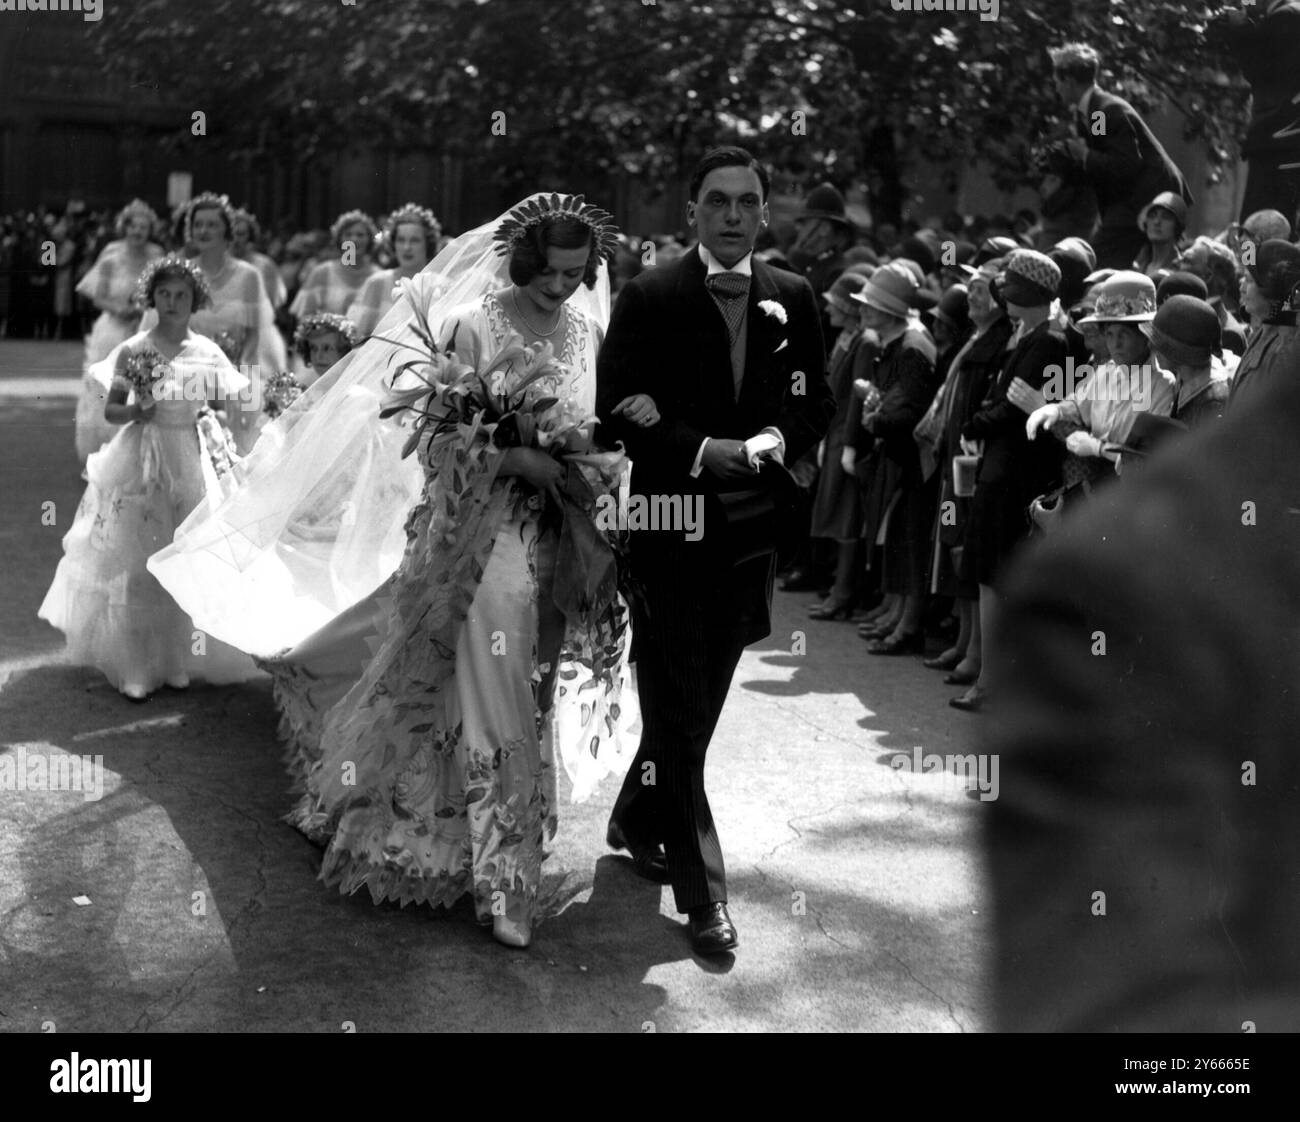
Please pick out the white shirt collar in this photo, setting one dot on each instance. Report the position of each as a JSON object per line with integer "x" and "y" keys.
{"x": 744, "y": 266}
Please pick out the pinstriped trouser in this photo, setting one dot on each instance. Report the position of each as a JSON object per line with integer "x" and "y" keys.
{"x": 684, "y": 671}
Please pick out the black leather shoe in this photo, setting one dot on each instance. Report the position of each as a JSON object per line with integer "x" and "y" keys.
{"x": 647, "y": 860}
{"x": 712, "y": 931}
{"x": 801, "y": 581}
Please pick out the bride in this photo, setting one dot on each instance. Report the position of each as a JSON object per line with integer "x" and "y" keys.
{"x": 424, "y": 717}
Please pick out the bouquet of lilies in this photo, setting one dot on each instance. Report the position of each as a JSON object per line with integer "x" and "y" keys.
{"x": 506, "y": 400}
{"x": 144, "y": 370}
{"x": 279, "y": 393}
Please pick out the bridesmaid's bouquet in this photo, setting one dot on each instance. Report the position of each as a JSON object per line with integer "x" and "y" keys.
{"x": 279, "y": 393}
{"x": 144, "y": 371}
{"x": 230, "y": 344}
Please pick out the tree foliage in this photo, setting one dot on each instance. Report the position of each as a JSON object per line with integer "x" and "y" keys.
{"x": 643, "y": 86}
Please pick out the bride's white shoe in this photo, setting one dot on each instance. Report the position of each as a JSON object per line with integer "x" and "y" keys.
{"x": 135, "y": 692}
{"x": 513, "y": 933}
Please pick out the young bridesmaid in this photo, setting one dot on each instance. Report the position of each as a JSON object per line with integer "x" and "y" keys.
{"x": 321, "y": 339}
{"x": 171, "y": 452}
{"x": 333, "y": 285}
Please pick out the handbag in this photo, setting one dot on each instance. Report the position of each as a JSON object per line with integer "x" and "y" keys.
{"x": 1046, "y": 511}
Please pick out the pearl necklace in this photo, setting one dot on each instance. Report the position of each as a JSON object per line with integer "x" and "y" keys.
{"x": 524, "y": 319}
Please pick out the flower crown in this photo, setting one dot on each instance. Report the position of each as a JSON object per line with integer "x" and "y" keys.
{"x": 209, "y": 200}
{"x": 411, "y": 213}
{"x": 346, "y": 219}
{"x": 165, "y": 268}
{"x": 541, "y": 208}
{"x": 318, "y": 322}
{"x": 133, "y": 208}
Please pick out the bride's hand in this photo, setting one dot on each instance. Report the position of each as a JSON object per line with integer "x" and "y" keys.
{"x": 640, "y": 409}
{"x": 537, "y": 468}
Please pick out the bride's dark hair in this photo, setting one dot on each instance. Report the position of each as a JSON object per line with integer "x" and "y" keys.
{"x": 530, "y": 255}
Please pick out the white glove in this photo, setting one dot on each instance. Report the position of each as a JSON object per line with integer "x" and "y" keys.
{"x": 1044, "y": 417}
{"x": 1083, "y": 444}
{"x": 848, "y": 457}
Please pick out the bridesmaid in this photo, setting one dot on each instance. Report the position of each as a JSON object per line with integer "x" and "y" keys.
{"x": 243, "y": 244}
{"x": 413, "y": 231}
{"x": 321, "y": 340}
{"x": 240, "y": 319}
{"x": 109, "y": 285}
{"x": 333, "y": 285}
{"x": 157, "y": 469}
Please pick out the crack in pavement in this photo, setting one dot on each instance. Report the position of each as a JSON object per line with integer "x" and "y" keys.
{"x": 937, "y": 996}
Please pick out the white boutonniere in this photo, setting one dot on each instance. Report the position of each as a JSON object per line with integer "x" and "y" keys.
{"x": 774, "y": 309}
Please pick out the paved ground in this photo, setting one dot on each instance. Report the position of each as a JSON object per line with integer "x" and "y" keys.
{"x": 857, "y": 887}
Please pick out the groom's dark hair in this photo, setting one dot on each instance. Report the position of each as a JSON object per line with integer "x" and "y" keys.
{"x": 728, "y": 156}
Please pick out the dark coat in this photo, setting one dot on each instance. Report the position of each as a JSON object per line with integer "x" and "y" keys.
{"x": 1123, "y": 772}
{"x": 1265, "y": 43}
{"x": 668, "y": 339}
{"x": 1126, "y": 164}
{"x": 1010, "y": 457}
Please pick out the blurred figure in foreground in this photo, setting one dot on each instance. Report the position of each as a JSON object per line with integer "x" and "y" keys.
{"x": 1143, "y": 847}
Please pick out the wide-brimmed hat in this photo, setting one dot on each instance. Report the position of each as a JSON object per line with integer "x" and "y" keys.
{"x": 1175, "y": 204}
{"x": 891, "y": 289}
{"x": 1126, "y": 297}
{"x": 1276, "y": 269}
{"x": 846, "y": 284}
{"x": 1186, "y": 331}
{"x": 824, "y": 201}
{"x": 1033, "y": 278}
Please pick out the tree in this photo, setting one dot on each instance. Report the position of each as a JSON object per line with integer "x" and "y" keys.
{"x": 610, "y": 86}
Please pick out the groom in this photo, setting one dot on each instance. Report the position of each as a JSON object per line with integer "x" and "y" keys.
{"x": 729, "y": 349}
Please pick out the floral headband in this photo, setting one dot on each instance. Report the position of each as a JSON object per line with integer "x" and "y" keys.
{"x": 318, "y": 323}
{"x": 169, "y": 268}
{"x": 541, "y": 208}
{"x": 349, "y": 218}
{"x": 413, "y": 214}
{"x": 210, "y": 201}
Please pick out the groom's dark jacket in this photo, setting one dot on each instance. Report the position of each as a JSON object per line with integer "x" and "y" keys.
{"x": 667, "y": 338}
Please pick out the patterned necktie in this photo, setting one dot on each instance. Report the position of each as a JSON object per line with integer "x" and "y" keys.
{"x": 728, "y": 291}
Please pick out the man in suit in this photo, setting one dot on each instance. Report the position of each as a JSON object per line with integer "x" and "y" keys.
{"x": 1116, "y": 153}
{"x": 1264, "y": 40}
{"x": 1143, "y": 845}
{"x": 729, "y": 349}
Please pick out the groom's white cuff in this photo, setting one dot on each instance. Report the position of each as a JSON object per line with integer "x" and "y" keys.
{"x": 778, "y": 453}
{"x": 698, "y": 465}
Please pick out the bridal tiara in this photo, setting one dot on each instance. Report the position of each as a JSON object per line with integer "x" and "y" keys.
{"x": 532, "y": 212}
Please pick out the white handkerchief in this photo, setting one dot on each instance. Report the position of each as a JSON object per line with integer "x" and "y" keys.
{"x": 755, "y": 446}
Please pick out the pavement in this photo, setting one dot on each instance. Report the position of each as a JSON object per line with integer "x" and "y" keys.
{"x": 856, "y": 885}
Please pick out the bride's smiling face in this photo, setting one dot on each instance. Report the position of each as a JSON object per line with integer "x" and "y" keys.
{"x": 560, "y": 279}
